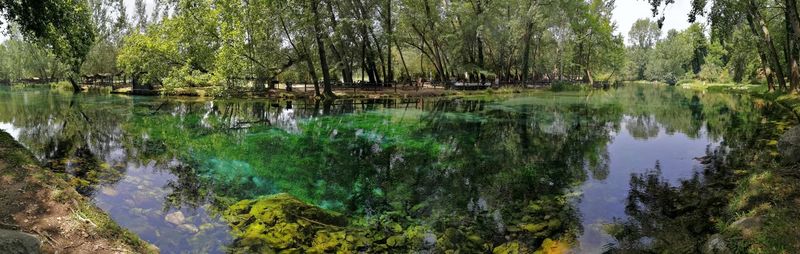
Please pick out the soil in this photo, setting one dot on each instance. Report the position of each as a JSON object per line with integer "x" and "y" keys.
{"x": 36, "y": 201}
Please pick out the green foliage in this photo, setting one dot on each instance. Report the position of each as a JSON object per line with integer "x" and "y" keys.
{"x": 671, "y": 59}
{"x": 63, "y": 25}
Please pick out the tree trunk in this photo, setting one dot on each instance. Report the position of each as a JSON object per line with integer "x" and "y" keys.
{"x": 791, "y": 57}
{"x": 76, "y": 70}
{"x": 479, "y": 35}
{"x": 389, "y": 77}
{"x": 773, "y": 54}
{"x": 323, "y": 61}
{"x": 344, "y": 59}
{"x": 527, "y": 51}
{"x": 794, "y": 23}
{"x": 764, "y": 61}
{"x": 402, "y": 59}
{"x": 313, "y": 74}
{"x": 76, "y": 87}
{"x": 434, "y": 45}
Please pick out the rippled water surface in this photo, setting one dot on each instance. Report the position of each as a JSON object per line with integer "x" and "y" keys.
{"x": 165, "y": 169}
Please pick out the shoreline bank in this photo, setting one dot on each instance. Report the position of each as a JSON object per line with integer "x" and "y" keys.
{"x": 38, "y": 202}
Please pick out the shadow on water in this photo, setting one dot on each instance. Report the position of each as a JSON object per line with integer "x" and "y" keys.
{"x": 445, "y": 174}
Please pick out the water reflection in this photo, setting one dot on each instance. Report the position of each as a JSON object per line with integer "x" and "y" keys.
{"x": 494, "y": 169}
{"x": 604, "y": 199}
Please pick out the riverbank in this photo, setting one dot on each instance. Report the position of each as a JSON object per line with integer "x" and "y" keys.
{"x": 765, "y": 204}
{"x": 36, "y": 201}
{"x": 299, "y": 92}
{"x": 383, "y": 93}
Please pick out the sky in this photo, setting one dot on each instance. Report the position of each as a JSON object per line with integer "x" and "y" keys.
{"x": 628, "y": 11}
{"x": 624, "y": 15}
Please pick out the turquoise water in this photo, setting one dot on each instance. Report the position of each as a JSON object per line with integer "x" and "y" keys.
{"x": 493, "y": 167}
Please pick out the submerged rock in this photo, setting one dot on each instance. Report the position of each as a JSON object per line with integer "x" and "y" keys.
{"x": 513, "y": 247}
{"x": 189, "y": 228}
{"x": 176, "y": 218}
{"x": 15, "y": 242}
{"x": 108, "y": 191}
{"x": 281, "y": 222}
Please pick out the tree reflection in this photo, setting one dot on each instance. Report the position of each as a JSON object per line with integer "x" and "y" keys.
{"x": 69, "y": 136}
{"x": 668, "y": 218}
{"x": 500, "y": 169}
{"x": 497, "y": 172}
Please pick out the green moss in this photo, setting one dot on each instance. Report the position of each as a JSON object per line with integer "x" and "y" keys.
{"x": 281, "y": 222}
{"x": 513, "y": 247}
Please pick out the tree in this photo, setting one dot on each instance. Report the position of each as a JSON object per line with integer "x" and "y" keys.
{"x": 642, "y": 38}
{"x": 644, "y": 34}
{"x": 671, "y": 58}
{"x": 775, "y": 25}
{"x": 64, "y": 26}
{"x": 214, "y": 42}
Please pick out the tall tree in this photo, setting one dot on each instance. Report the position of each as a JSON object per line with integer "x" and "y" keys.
{"x": 642, "y": 38}
{"x": 64, "y": 25}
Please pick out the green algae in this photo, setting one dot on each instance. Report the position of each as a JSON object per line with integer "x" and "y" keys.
{"x": 281, "y": 223}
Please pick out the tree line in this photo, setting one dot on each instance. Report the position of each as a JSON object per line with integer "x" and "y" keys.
{"x": 180, "y": 43}
{"x": 751, "y": 38}
{"x": 685, "y": 56}
{"x": 211, "y": 42}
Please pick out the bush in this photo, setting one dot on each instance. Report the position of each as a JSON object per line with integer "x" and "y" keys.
{"x": 61, "y": 85}
{"x": 560, "y": 86}
{"x": 685, "y": 81}
{"x": 713, "y": 73}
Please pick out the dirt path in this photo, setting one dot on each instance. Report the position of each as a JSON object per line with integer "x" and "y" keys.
{"x": 36, "y": 201}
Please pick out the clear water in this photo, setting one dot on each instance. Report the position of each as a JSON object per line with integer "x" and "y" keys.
{"x": 476, "y": 160}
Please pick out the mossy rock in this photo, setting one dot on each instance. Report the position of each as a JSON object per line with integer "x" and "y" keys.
{"x": 789, "y": 145}
{"x": 512, "y": 247}
{"x": 550, "y": 246}
{"x": 282, "y": 223}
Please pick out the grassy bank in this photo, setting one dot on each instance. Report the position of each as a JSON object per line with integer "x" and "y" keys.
{"x": 765, "y": 205}
{"x": 37, "y": 201}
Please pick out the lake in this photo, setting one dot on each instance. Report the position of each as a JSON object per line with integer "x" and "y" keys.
{"x": 469, "y": 173}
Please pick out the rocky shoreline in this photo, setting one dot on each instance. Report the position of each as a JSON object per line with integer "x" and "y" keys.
{"x": 42, "y": 213}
